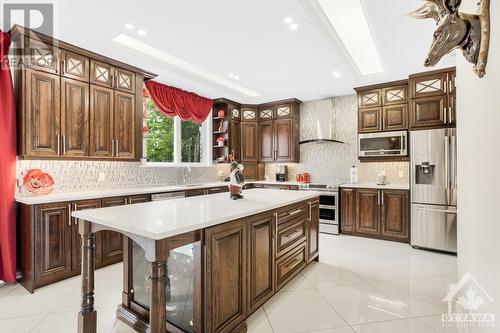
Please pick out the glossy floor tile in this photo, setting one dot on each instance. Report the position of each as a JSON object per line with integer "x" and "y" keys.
{"x": 360, "y": 285}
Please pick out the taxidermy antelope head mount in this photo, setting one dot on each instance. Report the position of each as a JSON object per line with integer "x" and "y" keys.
{"x": 457, "y": 30}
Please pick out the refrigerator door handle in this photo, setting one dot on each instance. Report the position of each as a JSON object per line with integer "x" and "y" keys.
{"x": 447, "y": 168}
{"x": 437, "y": 210}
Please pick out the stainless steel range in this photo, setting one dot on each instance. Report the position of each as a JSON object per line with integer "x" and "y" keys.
{"x": 328, "y": 207}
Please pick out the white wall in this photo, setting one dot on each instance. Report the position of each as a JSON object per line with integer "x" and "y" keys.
{"x": 478, "y": 132}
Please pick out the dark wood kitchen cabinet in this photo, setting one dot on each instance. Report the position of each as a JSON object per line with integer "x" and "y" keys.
{"x": 77, "y": 239}
{"x": 75, "y": 104}
{"x": 41, "y": 135}
{"x": 260, "y": 260}
{"x": 376, "y": 213}
{"x": 111, "y": 242}
{"x": 348, "y": 211}
{"x": 226, "y": 250}
{"x": 75, "y": 124}
{"x": 249, "y": 141}
{"x": 266, "y": 132}
{"x": 433, "y": 96}
{"x": 383, "y": 107}
{"x": 368, "y": 210}
{"x": 53, "y": 241}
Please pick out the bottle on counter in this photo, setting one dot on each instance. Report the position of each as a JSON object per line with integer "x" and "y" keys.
{"x": 353, "y": 175}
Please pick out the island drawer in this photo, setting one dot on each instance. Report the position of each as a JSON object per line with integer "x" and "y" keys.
{"x": 290, "y": 234}
{"x": 289, "y": 265}
{"x": 292, "y": 213}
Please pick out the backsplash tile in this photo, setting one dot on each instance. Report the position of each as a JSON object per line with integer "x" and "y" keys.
{"x": 70, "y": 176}
{"x": 329, "y": 163}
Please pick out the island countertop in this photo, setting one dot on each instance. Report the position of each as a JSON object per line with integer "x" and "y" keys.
{"x": 162, "y": 219}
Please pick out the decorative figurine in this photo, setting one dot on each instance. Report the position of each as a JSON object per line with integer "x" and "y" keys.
{"x": 221, "y": 114}
{"x": 38, "y": 182}
{"x": 221, "y": 126}
{"x": 220, "y": 141}
{"x": 236, "y": 179}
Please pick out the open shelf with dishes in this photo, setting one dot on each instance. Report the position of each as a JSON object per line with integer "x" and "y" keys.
{"x": 225, "y": 130}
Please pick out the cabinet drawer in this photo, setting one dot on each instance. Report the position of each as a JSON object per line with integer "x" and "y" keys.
{"x": 288, "y": 266}
{"x": 291, "y": 232}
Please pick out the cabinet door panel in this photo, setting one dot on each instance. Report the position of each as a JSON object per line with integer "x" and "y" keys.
{"x": 261, "y": 260}
{"x": 369, "y": 120}
{"x": 101, "y": 121}
{"x": 234, "y": 139}
{"x": 367, "y": 203}
{"x": 75, "y": 66}
{"x": 249, "y": 141}
{"x": 75, "y": 118}
{"x": 124, "y": 125}
{"x": 135, "y": 199}
{"x": 428, "y": 85}
{"x": 101, "y": 73}
{"x": 369, "y": 99}
{"x": 226, "y": 302}
{"x": 289, "y": 265}
{"x": 428, "y": 111}
{"x": 395, "y": 117}
{"x": 395, "y": 95}
{"x": 124, "y": 80}
{"x": 42, "y": 114}
{"x": 394, "y": 215}
{"x": 348, "y": 210}
{"x": 53, "y": 243}
{"x": 284, "y": 140}
{"x": 266, "y": 132}
{"x": 452, "y": 109}
{"x": 313, "y": 230}
{"x": 111, "y": 242}
{"x": 41, "y": 56}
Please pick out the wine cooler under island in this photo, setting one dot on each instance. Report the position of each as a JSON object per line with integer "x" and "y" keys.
{"x": 201, "y": 264}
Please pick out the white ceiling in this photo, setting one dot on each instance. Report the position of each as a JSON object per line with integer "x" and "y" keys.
{"x": 248, "y": 39}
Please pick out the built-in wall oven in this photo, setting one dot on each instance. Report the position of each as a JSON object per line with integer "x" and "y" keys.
{"x": 383, "y": 144}
{"x": 328, "y": 208}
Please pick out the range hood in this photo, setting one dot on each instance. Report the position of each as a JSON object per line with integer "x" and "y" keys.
{"x": 320, "y": 123}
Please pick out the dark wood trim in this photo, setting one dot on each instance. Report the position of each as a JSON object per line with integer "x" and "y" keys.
{"x": 432, "y": 72}
{"x": 87, "y": 317}
{"x": 18, "y": 31}
{"x": 381, "y": 85}
{"x": 283, "y": 101}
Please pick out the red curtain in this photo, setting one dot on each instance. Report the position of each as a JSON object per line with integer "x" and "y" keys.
{"x": 173, "y": 102}
{"x": 7, "y": 166}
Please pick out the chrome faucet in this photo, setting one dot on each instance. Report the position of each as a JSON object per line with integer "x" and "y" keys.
{"x": 186, "y": 171}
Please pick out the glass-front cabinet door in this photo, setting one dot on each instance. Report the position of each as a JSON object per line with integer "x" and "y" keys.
{"x": 183, "y": 279}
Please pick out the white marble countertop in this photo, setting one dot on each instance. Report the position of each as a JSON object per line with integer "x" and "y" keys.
{"x": 96, "y": 194}
{"x": 162, "y": 219}
{"x": 381, "y": 187}
{"x": 275, "y": 182}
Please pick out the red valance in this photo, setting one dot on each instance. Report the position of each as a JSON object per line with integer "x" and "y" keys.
{"x": 173, "y": 102}
{"x": 7, "y": 166}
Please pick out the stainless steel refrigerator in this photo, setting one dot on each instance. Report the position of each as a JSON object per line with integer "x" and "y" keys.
{"x": 434, "y": 189}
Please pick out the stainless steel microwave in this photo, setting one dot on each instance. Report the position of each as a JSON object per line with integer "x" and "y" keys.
{"x": 383, "y": 144}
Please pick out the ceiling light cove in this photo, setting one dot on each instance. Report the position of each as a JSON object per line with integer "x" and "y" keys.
{"x": 171, "y": 60}
{"x": 350, "y": 23}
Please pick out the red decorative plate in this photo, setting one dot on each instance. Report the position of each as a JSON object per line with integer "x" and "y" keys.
{"x": 38, "y": 182}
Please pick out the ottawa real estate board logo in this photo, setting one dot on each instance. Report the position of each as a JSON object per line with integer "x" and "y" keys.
{"x": 465, "y": 300}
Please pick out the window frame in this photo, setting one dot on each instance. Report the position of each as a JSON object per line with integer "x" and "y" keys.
{"x": 206, "y": 147}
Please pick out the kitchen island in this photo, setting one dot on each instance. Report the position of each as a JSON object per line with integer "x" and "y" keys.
{"x": 202, "y": 264}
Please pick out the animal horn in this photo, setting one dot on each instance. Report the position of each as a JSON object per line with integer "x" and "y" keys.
{"x": 431, "y": 9}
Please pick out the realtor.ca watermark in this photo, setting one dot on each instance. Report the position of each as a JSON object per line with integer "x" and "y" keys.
{"x": 465, "y": 300}
{"x": 34, "y": 51}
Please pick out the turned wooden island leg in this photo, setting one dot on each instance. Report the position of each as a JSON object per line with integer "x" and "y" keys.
{"x": 87, "y": 317}
{"x": 158, "y": 311}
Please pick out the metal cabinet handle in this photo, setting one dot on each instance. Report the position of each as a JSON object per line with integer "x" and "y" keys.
{"x": 70, "y": 219}
{"x": 117, "y": 148}
{"x": 445, "y": 115}
{"x": 310, "y": 211}
{"x": 382, "y": 197}
{"x": 62, "y": 67}
{"x": 64, "y": 144}
{"x": 295, "y": 212}
{"x": 58, "y": 138}
{"x": 125, "y": 199}
{"x": 74, "y": 209}
{"x": 275, "y": 225}
{"x": 378, "y": 198}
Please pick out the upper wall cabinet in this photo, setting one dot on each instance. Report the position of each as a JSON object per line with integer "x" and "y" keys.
{"x": 73, "y": 103}
{"x": 383, "y": 107}
{"x": 433, "y": 96}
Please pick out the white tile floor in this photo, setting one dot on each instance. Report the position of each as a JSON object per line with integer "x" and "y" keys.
{"x": 360, "y": 285}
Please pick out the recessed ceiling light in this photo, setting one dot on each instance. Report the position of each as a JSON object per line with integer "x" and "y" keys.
{"x": 171, "y": 60}
{"x": 336, "y": 74}
{"x": 236, "y": 77}
{"x": 294, "y": 26}
{"x": 141, "y": 32}
{"x": 129, "y": 26}
{"x": 231, "y": 75}
{"x": 349, "y": 20}
{"x": 287, "y": 20}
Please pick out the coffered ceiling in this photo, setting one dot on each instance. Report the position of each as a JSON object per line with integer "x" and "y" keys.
{"x": 249, "y": 51}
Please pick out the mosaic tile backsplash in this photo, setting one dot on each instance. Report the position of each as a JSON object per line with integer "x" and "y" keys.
{"x": 70, "y": 176}
{"x": 329, "y": 163}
